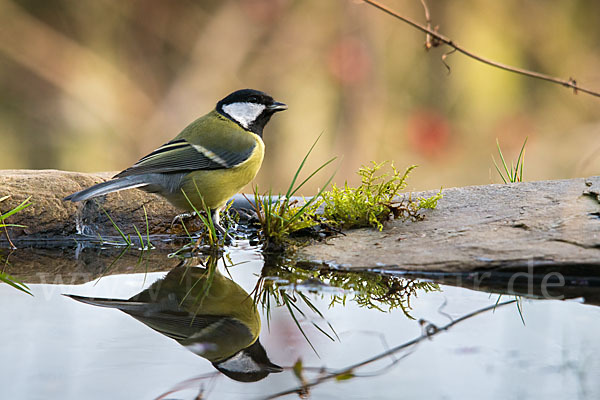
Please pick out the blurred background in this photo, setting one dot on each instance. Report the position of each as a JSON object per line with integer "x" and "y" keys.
{"x": 95, "y": 85}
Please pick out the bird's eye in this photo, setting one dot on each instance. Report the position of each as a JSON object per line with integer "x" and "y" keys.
{"x": 253, "y": 99}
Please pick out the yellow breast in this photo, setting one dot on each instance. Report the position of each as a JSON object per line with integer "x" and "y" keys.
{"x": 215, "y": 187}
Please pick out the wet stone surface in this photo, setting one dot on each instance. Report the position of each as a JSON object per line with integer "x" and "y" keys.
{"x": 52, "y": 220}
{"x": 531, "y": 224}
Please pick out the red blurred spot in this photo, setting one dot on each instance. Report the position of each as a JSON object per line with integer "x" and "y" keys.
{"x": 349, "y": 61}
{"x": 428, "y": 133}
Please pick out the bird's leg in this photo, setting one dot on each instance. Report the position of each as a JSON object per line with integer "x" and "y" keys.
{"x": 216, "y": 218}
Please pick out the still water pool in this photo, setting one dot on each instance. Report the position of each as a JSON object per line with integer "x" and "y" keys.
{"x": 58, "y": 347}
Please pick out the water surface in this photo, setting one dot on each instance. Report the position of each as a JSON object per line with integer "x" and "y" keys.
{"x": 54, "y": 347}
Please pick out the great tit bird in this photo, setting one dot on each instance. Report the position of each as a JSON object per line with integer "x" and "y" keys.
{"x": 206, "y": 312}
{"x": 211, "y": 160}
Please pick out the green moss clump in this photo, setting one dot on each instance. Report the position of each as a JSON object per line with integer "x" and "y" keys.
{"x": 375, "y": 201}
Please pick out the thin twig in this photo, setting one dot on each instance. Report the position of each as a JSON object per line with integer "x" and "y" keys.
{"x": 430, "y": 331}
{"x": 428, "y": 43}
{"x": 11, "y": 244}
{"x": 569, "y": 83}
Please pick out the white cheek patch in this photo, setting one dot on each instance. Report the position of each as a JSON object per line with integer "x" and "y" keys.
{"x": 240, "y": 363}
{"x": 244, "y": 113}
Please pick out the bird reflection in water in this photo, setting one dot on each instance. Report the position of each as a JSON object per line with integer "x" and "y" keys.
{"x": 206, "y": 312}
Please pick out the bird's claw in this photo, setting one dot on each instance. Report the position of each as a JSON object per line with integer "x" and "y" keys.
{"x": 227, "y": 239}
{"x": 181, "y": 217}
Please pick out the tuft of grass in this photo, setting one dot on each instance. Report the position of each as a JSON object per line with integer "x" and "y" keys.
{"x": 375, "y": 201}
{"x": 515, "y": 173}
{"x": 126, "y": 238}
{"x": 281, "y": 215}
{"x": 270, "y": 293}
{"x": 127, "y": 242}
{"x": 210, "y": 237}
{"x": 4, "y": 277}
{"x": 24, "y": 204}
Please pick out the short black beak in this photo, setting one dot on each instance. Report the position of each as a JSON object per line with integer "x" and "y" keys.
{"x": 277, "y": 106}
{"x": 270, "y": 367}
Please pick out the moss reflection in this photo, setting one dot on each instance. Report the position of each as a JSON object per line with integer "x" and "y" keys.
{"x": 283, "y": 283}
{"x": 367, "y": 289}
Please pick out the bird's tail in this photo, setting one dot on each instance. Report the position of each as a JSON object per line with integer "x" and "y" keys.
{"x": 113, "y": 185}
{"x": 123, "y": 305}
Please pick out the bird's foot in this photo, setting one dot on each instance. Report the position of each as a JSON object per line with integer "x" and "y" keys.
{"x": 221, "y": 231}
{"x": 182, "y": 217}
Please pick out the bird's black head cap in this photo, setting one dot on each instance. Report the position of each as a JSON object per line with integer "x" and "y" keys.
{"x": 249, "y": 108}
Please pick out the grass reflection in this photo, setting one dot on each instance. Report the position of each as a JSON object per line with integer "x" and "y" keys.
{"x": 367, "y": 289}
{"x": 284, "y": 283}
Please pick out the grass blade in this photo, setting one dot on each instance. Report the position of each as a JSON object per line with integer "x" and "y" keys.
{"x": 24, "y": 204}
{"x": 139, "y": 235}
{"x": 290, "y": 188}
{"x": 521, "y": 160}
{"x": 147, "y": 228}
{"x": 17, "y": 284}
{"x": 311, "y": 175}
{"x": 502, "y": 158}
{"x": 125, "y": 238}
{"x": 515, "y": 174}
{"x": 288, "y": 304}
